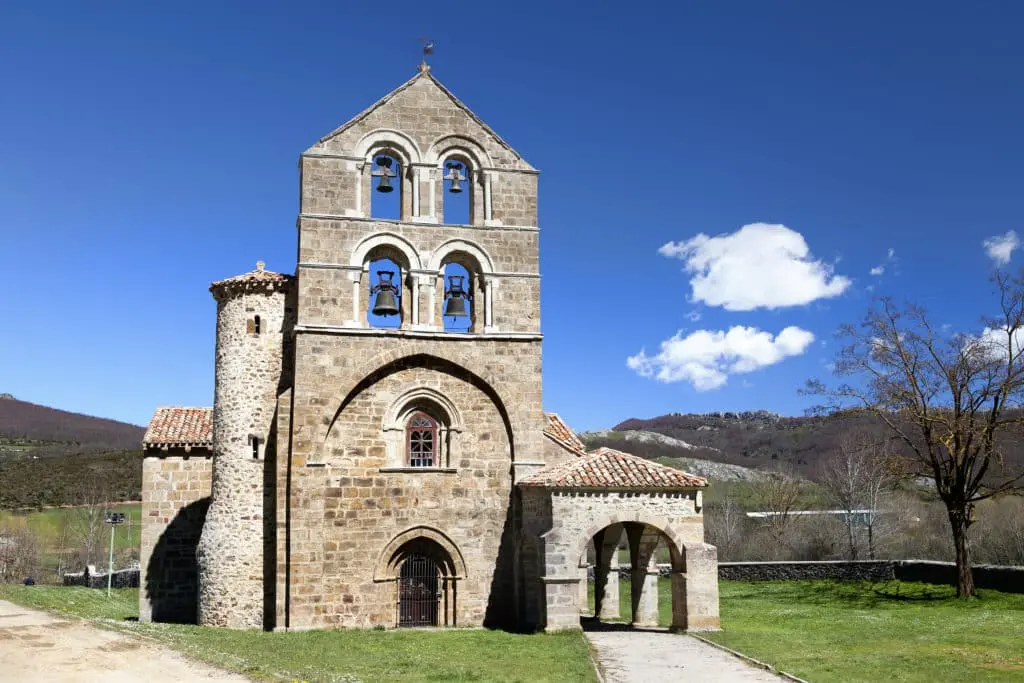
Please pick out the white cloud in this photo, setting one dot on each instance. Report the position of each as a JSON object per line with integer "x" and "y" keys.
{"x": 1000, "y": 247}
{"x": 758, "y": 266}
{"x": 706, "y": 358}
{"x": 993, "y": 341}
{"x": 890, "y": 256}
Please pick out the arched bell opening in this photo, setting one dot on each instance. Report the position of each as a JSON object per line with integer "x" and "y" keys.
{"x": 425, "y": 584}
{"x": 386, "y": 290}
{"x": 458, "y": 190}
{"x": 462, "y": 304}
{"x": 387, "y": 185}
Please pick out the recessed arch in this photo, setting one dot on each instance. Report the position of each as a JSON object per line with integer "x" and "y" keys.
{"x": 389, "y": 239}
{"x": 453, "y": 145}
{"x": 387, "y": 140}
{"x": 439, "y": 255}
{"x": 414, "y": 398}
{"x": 390, "y": 559}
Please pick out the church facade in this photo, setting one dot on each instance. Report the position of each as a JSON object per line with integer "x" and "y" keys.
{"x": 369, "y": 462}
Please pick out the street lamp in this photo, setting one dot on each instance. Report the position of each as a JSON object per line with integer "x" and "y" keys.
{"x": 113, "y": 519}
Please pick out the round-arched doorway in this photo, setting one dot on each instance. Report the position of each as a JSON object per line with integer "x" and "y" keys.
{"x": 419, "y": 594}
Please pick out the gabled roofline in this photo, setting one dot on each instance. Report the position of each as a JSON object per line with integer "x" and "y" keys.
{"x": 425, "y": 73}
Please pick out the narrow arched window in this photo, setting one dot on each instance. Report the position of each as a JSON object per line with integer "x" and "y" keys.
{"x": 421, "y": 440}
{"x": 256, "y": 325}
{"x": 386, "y": 182}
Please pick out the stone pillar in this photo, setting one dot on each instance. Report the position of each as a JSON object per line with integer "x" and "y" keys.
{"x": 643, "y": 541}
{"x": 606, "y": 573}
{"x": 695, "y": 592}
{"x": 582, "y": 596}
{"x": 561, "y": 612}
{"x": 356, "y": 276}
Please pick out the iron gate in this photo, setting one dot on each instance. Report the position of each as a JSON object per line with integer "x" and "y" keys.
{"x": 418, "y": 594}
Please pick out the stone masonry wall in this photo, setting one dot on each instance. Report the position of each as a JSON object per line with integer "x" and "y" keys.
{"x": 248, "y": 379}
{"x": 345, "y": 509}
{"x": 175, "y": 494}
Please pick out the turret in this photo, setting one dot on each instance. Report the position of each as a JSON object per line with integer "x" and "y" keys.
{"x": 253, "y": 321}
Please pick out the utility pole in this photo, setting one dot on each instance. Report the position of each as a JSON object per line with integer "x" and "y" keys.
{"x": 113, "y": 519}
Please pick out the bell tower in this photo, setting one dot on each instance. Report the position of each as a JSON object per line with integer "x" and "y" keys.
{"x": 417, "y": 386}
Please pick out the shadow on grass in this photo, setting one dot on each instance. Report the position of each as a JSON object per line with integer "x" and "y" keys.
{"x": 865, "y": 594}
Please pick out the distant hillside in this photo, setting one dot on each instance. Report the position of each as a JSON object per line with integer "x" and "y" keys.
{"x": 29, "y": 428}
{"x": 759, "y": 439}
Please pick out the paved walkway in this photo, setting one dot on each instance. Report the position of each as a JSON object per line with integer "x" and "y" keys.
{"x": 629, "y": 656}
{"x": 37, "y": 647}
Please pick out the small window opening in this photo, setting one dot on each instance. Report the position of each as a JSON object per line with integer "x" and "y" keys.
{"x": 255, "y": 441}
{"x": 458, "y": 193}
{"x": 256, "y": 325}
{"x": 458, "y": 311}
{"x": 386, "y": 197}
{"x": 421, "y": 433}
{"x": 385, "y": 301}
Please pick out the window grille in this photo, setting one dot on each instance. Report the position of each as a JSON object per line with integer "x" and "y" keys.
{"x": 422, "y": 441}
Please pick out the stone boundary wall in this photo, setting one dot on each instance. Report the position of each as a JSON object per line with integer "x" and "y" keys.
{"x": 994, "y": 577}
{"x": 90, "y": 578}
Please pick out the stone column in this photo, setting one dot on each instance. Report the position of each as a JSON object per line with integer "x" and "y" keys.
{"x": 695, "y": 593}
{"x": 643, "y": 541}
{"x": 582, "y": 596}
{"x": 487, "y": 195}
{"x": 606, "y": 573}
{"x": 355, "y": 276}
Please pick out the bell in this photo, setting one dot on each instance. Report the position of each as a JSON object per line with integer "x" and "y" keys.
{"x": 386, "y": 304}
{"x": 456, "y": 304}
{"x": 455, "y": 175}
{"x": 456, "y": 307}
{"x": 385, "y": 174}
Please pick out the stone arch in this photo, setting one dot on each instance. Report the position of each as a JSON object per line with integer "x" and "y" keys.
{"x": 673, "y": 539}
{"x": 390, "y": 558}
{"x": 385, "y": 239}
{"x": 389, "y": 362}
{"x": 435, "y": 404}
{"x": 387, "y": 140}
{"x": 478, "y": 253}
{"x": 451, "y": 145}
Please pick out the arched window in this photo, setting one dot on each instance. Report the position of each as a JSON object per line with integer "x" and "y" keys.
{"x": 386, "y": 185}
{"x": 256, "y": 325}
{"x": 457, "y": 192}
{"x": 384, "y": 305}
{"x": 421, "y": 441}
{"x": 458, "y": 314}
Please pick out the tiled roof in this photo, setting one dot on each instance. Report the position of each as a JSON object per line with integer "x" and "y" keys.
{"x": 559, "y": 432}
{"x": 607, "y": 468}
{"x": 254, "y": 280}
{"x": 178, "y": 426}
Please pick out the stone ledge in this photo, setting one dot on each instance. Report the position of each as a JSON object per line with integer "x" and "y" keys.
{"x": 419, "y": 470}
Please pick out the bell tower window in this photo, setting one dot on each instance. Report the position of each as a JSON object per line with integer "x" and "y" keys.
{"x": 458, "y": 193}
{"x": 385, "y": 300}
{"x": 386, "y": 197}
{"x": 421, "y": 440}
{"x": 458, "y": 312}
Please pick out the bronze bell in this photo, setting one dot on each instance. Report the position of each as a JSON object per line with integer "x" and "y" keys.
{"x": 455, "y": 175}
{"x": 456, "y": 295}
{"x": 387, "y": 294}
{"x": 385, "y": 174}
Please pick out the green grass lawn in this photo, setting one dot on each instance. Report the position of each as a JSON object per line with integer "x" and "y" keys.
{"x": 338, "y": 655}
{"x": 866, "y": 631}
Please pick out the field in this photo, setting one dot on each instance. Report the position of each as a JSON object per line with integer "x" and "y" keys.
{"x": 406, "y": 655}
{"x": 867, "y": 631}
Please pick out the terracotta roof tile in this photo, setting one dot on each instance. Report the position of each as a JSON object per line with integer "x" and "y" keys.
{"x": 259, "y": 279}
{"x": 559, "y": 432}
{"x": 178, "y": 426}
{"x": 607, "y": 468}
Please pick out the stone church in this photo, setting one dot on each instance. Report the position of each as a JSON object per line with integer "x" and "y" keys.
{"x": 377, "y": 453}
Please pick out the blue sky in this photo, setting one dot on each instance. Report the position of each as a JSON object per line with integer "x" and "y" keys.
{"x": 147, "y": 149}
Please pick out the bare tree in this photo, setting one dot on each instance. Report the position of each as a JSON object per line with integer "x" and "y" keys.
{"x": 724, "y": 522}
{"x": 86, "y": 521}
{"x": 777, "y": 495}
{"x": 19, "y": 557}
{"x": 952, "y": 400}
{"x": 857, "y": 477}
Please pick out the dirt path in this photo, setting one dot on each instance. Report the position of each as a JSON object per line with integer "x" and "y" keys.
{"x": 643, "y": 656}
{"x": 37, "y": 647}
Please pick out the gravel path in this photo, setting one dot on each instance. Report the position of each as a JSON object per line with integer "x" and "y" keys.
{"x": 37, "y": 647}
{"x": 629, "y": 656}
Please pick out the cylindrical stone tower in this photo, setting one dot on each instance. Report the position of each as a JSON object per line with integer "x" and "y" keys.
{"x": 252, "y": 322}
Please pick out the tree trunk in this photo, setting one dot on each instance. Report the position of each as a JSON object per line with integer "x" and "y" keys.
{"x": 852, "y": 537}
{"x": 964, "y": 577}
{"x": 871, "y": 540}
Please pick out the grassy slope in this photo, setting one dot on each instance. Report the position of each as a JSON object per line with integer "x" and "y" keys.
{"x": 406, "y": 655}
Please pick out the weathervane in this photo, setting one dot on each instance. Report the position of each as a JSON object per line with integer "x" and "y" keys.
{"x": 428, "y": 49}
